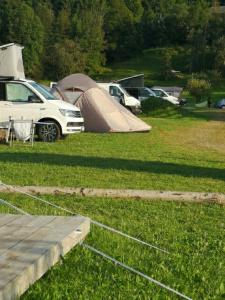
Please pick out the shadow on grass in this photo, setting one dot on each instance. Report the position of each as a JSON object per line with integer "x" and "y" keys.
{"x": 190, "y": 112}
{"x": 208, "y": 114}
{"x": 156, "y": 167}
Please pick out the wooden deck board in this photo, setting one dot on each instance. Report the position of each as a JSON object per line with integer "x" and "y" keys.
{"x": 30, "y": 245}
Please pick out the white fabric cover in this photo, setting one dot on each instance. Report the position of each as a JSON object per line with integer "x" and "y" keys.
{"x": 23, "y": 130}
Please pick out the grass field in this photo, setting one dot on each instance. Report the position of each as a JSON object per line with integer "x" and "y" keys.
{"x": 181, "y": 153}
{"x": 185, "y": 151}
{"x": 192, "y": 233}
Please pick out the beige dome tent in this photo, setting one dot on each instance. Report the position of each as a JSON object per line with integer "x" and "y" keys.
{"x": 100, "y": 111}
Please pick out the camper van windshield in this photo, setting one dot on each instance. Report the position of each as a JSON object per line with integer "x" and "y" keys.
{"x": 42, "y": 90}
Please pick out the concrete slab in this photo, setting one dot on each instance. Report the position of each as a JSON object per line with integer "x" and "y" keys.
{"x": 30, "y": 245}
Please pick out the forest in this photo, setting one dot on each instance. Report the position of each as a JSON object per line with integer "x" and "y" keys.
{"x": 67, "y": 36}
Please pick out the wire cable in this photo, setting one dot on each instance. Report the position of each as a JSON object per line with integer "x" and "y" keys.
{"x": 92, "y": 221}
{"x": 117, "y": 262}
{"x": 14, "y": 207}
{"x": 106, "y": 256}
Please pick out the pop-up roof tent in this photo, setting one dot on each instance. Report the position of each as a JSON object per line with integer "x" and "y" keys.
{"x": 11, "y": 61}
{"x": 100, "y": 111}
{"x": 132, "y": 81}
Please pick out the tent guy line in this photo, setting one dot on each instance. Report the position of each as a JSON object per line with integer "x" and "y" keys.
{"x": 115, "y": 261}
{"x": 92, "y": 221}
{"x": 14, "y": 207}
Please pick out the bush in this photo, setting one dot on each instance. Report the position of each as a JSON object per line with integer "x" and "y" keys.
{"x": 199, "y": 89}
{"x": 159, "y": 107}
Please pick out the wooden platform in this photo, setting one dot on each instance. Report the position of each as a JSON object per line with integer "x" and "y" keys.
{"x": 30, "y": 245}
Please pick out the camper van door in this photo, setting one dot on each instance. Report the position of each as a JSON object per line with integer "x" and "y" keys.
{"x": 18, "y": 103}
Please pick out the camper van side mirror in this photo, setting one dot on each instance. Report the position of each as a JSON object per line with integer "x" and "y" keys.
{"x": 34, "y": 99}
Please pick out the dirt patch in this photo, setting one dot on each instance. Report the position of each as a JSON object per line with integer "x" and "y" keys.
{"x": 206, "y": 135}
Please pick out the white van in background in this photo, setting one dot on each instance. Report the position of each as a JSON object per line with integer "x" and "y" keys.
{"x": 121, "y": 95}
{"x": 28, "y": 100}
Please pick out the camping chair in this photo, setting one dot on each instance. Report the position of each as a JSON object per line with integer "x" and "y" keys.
{"x": 21, "y": 130}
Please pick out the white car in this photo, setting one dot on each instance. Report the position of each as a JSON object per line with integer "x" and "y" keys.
{"x": 28, "y": 100}
{"x": 121, "y": 95}
{"x": 164, "y": 95}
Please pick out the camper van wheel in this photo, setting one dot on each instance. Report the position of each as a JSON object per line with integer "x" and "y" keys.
{"x": 48, "y": 132}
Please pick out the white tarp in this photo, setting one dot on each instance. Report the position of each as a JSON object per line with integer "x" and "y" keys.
{"x": 23, "y": 130}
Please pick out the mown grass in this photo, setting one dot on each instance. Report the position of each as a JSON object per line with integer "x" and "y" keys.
{"x": 185, "y": 154}
{"x": 184, "y": 151}
{"x": 192, "y": 233}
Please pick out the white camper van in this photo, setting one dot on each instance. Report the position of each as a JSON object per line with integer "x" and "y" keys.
{"x": 25, "y": 99}
{"x": 122, "y": 96}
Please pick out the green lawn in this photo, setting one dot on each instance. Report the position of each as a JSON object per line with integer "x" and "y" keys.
{"x": 192, "y": 233}
{"x": 185, "y": 151}
{"x": 180, "y": 153}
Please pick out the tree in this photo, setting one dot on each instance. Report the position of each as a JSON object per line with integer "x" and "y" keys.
{"x": 122, "y": 29}
{"x": 219, "y": 54}
{"x": 62, "y": 26}
{"x": 89, "y": 34}
{"x": 65, "y": 58}
{"x": 200, "y": 15}
{"x": 167, "y": 56}
{"x": 45, "y": 12}
{"x": 199, "y": 89}
{"x": 22, "y": 26}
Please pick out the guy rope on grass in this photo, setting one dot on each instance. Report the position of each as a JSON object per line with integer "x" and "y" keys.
{"x": 13, "y": 207}
{"x": 92, "y": 221}
{"x": 110, "y": 258}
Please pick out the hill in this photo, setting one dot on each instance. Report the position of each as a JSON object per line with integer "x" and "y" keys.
{"x": 151, "y": 63}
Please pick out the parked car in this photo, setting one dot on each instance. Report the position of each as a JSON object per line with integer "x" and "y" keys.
{"x": 164, "y": 95}
{"x": 26, "y": 99}
{"x": 220, "y": 104}
{"x": 141, "y": 93}
{"x": 122, "y": 96}
{"x": 52, "y": 84}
